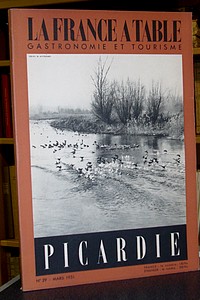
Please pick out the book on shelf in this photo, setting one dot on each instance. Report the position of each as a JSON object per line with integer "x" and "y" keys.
{"x": 6, "y": 105}
{"x": 15, "y": 211}
{"x": 7, "y": 198}
{"x": 9, "y": 202}
{"x": 4, "y": 49}
{"x": 105, "y": 145}
{"x": 13, "y": 263}
{"x": 198, "y": 200}
{"x": 195, "y": 33}
{"x": 1, "y": 118}
{"x": 3, "y": 221}
{"x": 197, "y": 94}
{"x": 2, "y": 218}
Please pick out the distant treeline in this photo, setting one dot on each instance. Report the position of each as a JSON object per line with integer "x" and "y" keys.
{"x": 40, "y": 112}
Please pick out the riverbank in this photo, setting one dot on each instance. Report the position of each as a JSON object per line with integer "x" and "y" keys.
{"x": 87, "y": 123}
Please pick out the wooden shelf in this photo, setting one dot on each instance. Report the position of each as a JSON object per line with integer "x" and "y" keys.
{"x": 196, "y": 51}
{"x": 5, "y": 4}
{"x": 6, "y": 141}
{"x": 9, "y": 243}
{"x": 198, "y": 139}
{"x": 4, "y": 63}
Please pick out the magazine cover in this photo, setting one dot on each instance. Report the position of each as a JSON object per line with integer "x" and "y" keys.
{"x": 103, "y": 107}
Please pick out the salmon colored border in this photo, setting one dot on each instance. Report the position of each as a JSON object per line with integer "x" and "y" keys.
{"x": 18, "y": 39}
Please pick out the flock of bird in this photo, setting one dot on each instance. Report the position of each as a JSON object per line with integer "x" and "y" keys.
{"x": 107, "y": 160}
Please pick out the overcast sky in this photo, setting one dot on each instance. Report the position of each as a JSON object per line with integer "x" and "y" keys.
{"x": 65, "y": 79}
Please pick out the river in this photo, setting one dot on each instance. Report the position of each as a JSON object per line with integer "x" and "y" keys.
{"x": 85, "y": 183}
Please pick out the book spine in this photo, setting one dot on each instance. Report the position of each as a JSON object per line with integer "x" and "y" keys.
{"x": 2, "y": 209}
{"x": 13, "y": 186}
{"x": 7, "y": 203}
{"x": 197, "y": 94}
{"x": 3, "y": 273}
{"x": 4, "y": 39}
{"x": 6, "y": 105}
{"x": 8, "y": 256}
{"x": 198, "y": 200}
{"x": 1, "y": 118}
{"x": 195, "y": 34}
{"x": 3, "y": 48}
{"x": 13, "y": 264}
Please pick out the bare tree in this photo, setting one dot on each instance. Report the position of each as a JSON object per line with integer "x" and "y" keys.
{"x": 174, "y": 103}
{"x": 124, "y": 101}
{"x": 155, "y": 101}
{"x": 103, "y": 95}
{"x": 138, "y": 100}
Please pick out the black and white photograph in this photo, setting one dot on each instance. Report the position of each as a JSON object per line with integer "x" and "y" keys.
{"x": 106, "y": 141}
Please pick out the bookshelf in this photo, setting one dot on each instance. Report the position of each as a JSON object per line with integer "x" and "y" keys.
{"x": 196, "y": 58}
{"x": 10, "y": 245}
{"x": 7, "y": 145}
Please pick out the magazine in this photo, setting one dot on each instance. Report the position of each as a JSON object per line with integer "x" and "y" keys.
{"x": 103, "y": 106}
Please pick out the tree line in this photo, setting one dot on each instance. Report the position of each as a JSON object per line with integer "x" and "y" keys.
{"x": 130, "y": 102}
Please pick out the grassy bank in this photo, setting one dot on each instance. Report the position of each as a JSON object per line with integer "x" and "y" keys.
{"x": 87, "y": 123}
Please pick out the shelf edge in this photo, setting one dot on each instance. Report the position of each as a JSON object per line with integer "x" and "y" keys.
{"x": 9, "y": 243}
{"x": 4, "y": 63}
{"x": 6, "y": 141}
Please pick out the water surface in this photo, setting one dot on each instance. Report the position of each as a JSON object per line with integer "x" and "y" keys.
{"x": 90, "y": 182}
